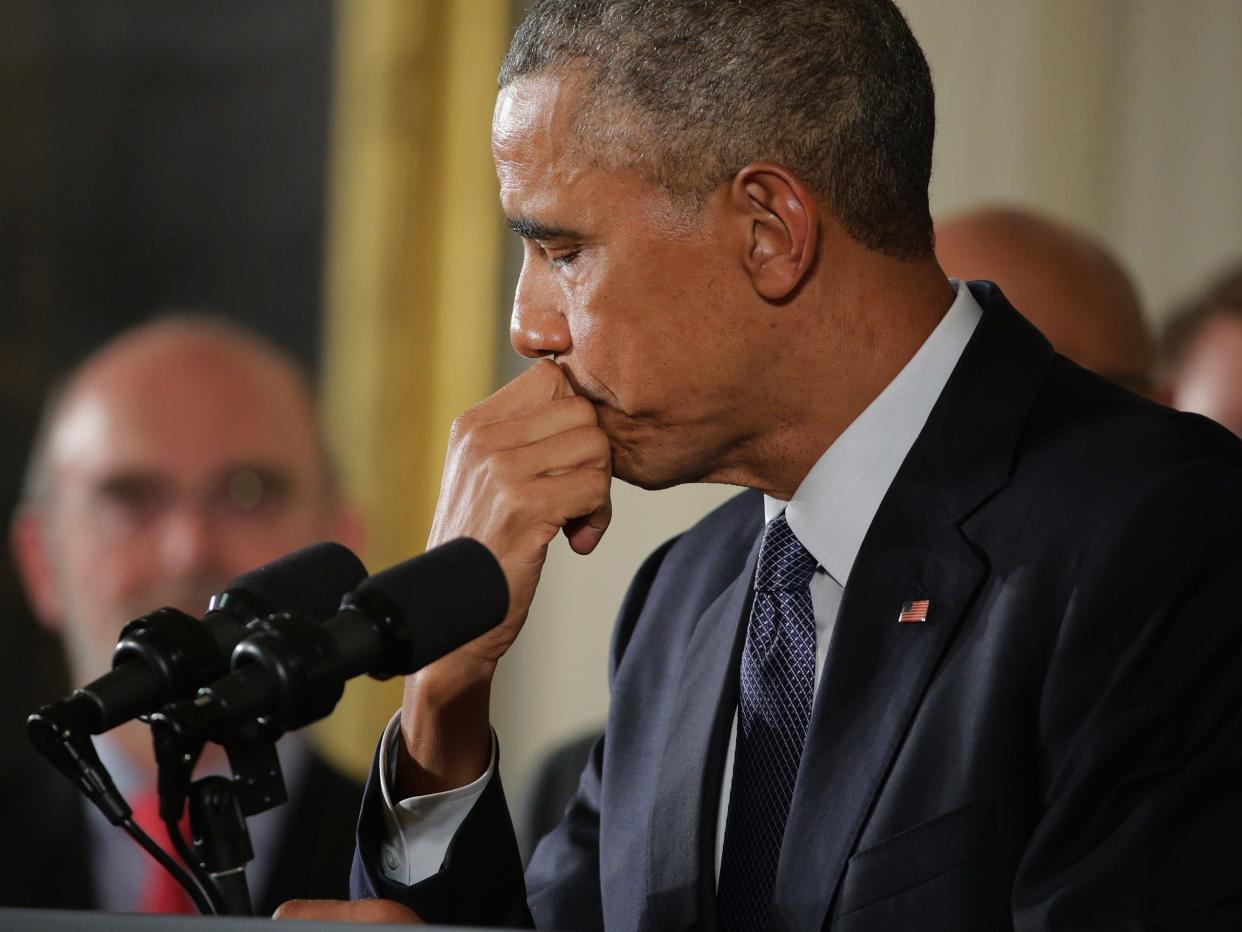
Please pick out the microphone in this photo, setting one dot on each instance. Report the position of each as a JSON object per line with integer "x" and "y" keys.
{"x": 167, "y": 654}
{"x": 290, "y": 671}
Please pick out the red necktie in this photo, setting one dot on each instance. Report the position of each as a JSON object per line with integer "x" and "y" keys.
{"x": 160, "y": 891}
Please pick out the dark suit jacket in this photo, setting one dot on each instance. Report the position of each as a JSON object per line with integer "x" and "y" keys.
{"x": 553, "y": 788}
{"x": 1059, "y": 746}
{"x": 45, "y": 864}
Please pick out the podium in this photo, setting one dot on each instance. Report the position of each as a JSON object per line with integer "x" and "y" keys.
{"x": 56, "y": 920}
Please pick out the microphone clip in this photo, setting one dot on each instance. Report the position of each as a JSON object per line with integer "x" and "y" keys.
{"x": 61, "y": 733}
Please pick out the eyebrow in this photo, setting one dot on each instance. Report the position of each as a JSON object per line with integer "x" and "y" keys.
{"x": 529, "y": 228}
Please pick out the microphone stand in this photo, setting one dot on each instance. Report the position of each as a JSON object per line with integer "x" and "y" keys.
{"x": 302, "y": 656}
{"x": 62, "y": 735}
{"x": 289, "y": 671}
{"x": 222, "y": 842}
{"x": 218, "y": 806}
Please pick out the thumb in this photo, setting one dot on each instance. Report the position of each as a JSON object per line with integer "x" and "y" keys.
{"x": 584, "y": 534}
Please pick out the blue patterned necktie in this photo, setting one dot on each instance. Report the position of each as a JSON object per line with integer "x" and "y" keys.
{"x": 774, "y": 710}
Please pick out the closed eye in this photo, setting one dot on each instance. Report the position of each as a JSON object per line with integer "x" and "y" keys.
{"x": 565, "y": 259}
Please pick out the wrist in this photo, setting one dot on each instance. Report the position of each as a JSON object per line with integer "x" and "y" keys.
{"x": 445, "y": 727}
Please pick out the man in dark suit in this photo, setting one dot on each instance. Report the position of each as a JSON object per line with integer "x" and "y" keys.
{"x": 1068, "y": 284}
{"x": 180, "y": 455}
{"x": 966, "y": 657}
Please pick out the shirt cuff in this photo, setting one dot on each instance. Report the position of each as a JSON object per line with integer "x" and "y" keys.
{"x": 418, "y": 829}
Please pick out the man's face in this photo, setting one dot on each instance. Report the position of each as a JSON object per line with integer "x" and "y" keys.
{"x": 647, "y": 310}
{"x": 170, "y": 473}
{"x": 1209, "y": 380}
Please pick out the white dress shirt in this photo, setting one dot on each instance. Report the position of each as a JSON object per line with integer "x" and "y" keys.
{"x": 829, "y": 513}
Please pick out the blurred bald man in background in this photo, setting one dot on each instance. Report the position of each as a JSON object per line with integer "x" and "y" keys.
{"x": 1065, "y": 283}
{"x": 172, "y": 460}
{"x": 1202, "y": 353}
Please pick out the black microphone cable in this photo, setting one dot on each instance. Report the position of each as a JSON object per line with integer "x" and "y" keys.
{"x": 201, "y": 877}
{"x": 204, "y": 901}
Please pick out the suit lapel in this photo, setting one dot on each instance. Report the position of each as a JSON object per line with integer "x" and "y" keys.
{"x": 874, "y": 677}
{"x": 680, "y": 863}
{"x": 877, "y": 670}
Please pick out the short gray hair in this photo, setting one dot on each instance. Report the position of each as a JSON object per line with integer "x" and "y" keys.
{"x": 687, "y": 92}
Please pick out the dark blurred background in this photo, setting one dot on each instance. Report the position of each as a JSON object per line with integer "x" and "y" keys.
{"x": 156, "y": 155}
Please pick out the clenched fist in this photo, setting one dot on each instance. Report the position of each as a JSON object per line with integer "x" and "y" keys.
{"x": 524, "y": 465}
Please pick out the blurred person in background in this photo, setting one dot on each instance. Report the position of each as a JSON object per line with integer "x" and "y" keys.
{"x": 1064, "y": 282}
{"x": 1202, "y": 353}
{"x": 176, "y": 457}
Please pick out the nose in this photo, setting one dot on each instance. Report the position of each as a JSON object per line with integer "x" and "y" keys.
{"x": 538, "y": 326}
{"x": 189, "y": 543}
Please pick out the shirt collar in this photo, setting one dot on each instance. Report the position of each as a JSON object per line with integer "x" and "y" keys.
{"x": 834, "y": 506}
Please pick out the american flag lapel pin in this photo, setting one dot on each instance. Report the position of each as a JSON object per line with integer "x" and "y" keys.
{"x": 913, "y": 613}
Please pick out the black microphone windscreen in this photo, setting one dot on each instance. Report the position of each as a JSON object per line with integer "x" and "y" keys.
{"x": 307, "y": 582}
{"x": 450, "y": 595}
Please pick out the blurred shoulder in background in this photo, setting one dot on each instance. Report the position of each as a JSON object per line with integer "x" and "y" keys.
{"x": 1201, "y": 352}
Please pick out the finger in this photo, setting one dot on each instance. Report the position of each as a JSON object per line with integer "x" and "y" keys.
{"x": 584, "y": 534}
{"x": 582, "y": 446}
{"x": 577, "y": 494}
{"x": 545, "y": 420}
{"x": 377, "y": 911}
{"x": 543, "y": 381}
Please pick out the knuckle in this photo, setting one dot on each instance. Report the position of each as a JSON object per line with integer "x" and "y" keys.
{"x": 521, "y": 503}
{"x": 462, "y": 426}
{"x": 509, "y": 499}
{"x": 603, "y": 448}
{"x": 467, "y": 446}
{"x": 500, "y": 464}
{"x": 482, "y": 437}
{"x": 480, "y": 441}
{"x": 600, "y": 484}
{"x": 502, "y": 506}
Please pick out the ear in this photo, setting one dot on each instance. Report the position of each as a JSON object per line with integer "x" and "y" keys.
{"x": 783, "y": 232}
{"x": 28, "y": 545}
